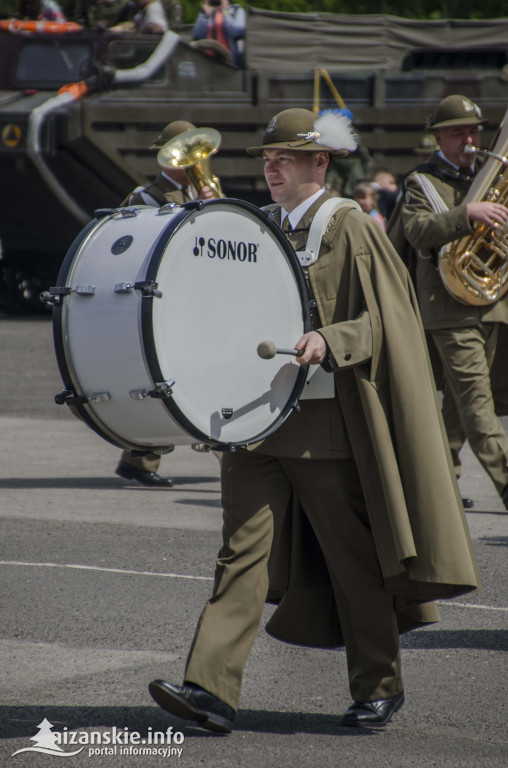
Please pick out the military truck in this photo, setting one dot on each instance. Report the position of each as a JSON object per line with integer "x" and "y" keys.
{"x": 80, "y": 107}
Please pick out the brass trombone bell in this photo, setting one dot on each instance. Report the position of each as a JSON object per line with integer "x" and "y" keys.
{"x": 191, "y": 151}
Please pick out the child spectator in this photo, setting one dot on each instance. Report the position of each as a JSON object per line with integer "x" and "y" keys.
{"x": 366, "y": 196}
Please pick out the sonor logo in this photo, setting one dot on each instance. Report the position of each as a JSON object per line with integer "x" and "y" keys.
{"x": 232, "y": 250}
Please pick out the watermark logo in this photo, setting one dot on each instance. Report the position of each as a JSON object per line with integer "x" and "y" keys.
{"x": 47, "y": 742}
{"x": 116, "y": 741}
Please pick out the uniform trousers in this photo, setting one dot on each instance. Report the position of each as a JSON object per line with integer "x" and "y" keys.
{"x": 467, "y": 355}
{"x": 148, "y": 462}
{"x": 256, "y": 492}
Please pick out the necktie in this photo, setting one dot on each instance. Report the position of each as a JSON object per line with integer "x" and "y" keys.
{"x": 286, "y": 226}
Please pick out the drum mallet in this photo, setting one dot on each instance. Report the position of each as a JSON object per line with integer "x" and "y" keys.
{"x": 267, "y": 350}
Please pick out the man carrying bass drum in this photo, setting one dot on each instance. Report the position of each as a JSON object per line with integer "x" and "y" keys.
{"x": 368, "y": 461}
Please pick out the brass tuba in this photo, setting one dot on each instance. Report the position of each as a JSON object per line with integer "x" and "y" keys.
{"x": 191, "y": 151}
{"x": 474, "y": 269}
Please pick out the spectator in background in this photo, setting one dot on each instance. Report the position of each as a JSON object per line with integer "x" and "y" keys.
{"x": 149, "y": 20}
{"x": 174, "y": 13}
{"x": 366, "y": 195}
{"x": 388, "y": 190}
{"x": 49, "y": 10}
{"x": 98, "y": 14}
{"x": 344, "y": 173}
{"x": 222, "y": 25}
{"x": 43, "y": 10}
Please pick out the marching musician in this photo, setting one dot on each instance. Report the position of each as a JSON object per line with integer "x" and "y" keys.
{"x": 381, "y": 523}
{"x": 172, "y": 185}
{"x": 466, "y": 336}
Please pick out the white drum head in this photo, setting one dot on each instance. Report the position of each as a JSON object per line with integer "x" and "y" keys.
{"x": 228, "y": 280}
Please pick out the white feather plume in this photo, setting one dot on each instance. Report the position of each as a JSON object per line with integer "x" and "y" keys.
{"x": 336, "y": 131}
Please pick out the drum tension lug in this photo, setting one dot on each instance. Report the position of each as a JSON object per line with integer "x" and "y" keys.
{"x": 99, "y": 397}
{"x": 68, "y": 397}
{"x": 123, "y": 287}
{"x": 128, "y": 213}
{"x": 54, "y": 294}
{"x": 101, "y": 213}
{"x": 297, "y": 407}
{"x": 193, "y": 205}
{"x": 168, "y": 208}
{"x": 148, "y": 288}
{"x": 164, "y": 389}
{"x": 46, "y": 298}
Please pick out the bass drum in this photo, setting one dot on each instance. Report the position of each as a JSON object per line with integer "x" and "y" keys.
{"x": 157, "y": 317}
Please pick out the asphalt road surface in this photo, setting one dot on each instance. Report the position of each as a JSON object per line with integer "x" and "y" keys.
{"x": 102, "y": 585}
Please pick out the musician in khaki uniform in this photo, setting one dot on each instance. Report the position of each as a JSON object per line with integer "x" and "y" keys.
{"x": 172, "y": 185}
{"x": 466, "y": 335}
{"x": 367, "y": 460}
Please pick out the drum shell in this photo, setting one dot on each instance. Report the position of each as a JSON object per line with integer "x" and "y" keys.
{"x": 109, "y": 342}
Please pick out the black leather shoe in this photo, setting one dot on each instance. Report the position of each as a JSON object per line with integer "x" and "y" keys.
{"x": 467, "y": 503}
{"x": 372, "y": 714}
{"x": 191, "y": 702}
{"x": 142, "y": 476}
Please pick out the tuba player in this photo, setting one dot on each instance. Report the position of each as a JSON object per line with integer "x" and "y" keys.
{"x": 434, "y": 213}
{"x": 172, "y": 185}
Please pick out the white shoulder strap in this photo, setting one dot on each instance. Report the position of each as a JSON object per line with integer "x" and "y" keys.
{"x": 431, "y": 193}
{"x": 319, "y": 226}
{"x": 435, "y": 200}
{"x": 146, "y": 197}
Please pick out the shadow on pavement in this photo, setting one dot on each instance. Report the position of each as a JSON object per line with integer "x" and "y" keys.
{"x": 495, "y": 541}
{"x": 484, "y": 639}
{"x": 107, "y": 483}
{"x": 20, "y": 722}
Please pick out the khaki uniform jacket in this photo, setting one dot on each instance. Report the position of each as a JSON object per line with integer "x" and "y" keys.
{"x": 162, "y": 191}
{"x": 388, "y": 401}
{"x": 427, "y": 232}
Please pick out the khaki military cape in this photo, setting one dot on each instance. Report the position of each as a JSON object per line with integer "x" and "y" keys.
{"x": 394, "y": 424}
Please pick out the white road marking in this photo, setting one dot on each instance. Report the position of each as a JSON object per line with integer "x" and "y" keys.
{"x": 105, "y": 570}
{"x": 202, "y": 578}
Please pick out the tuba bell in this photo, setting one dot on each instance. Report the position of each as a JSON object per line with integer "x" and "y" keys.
{"x": 474, "y": 269}
{"x": 191, "y": 151}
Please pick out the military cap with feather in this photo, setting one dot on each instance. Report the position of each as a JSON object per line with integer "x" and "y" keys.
{"x": 303, "y": 131}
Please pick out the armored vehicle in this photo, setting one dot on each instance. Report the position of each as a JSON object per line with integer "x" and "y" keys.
{"x": 80, "y": 107}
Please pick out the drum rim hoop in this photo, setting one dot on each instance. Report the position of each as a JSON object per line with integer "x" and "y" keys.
{"x": 147, "y": 320}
